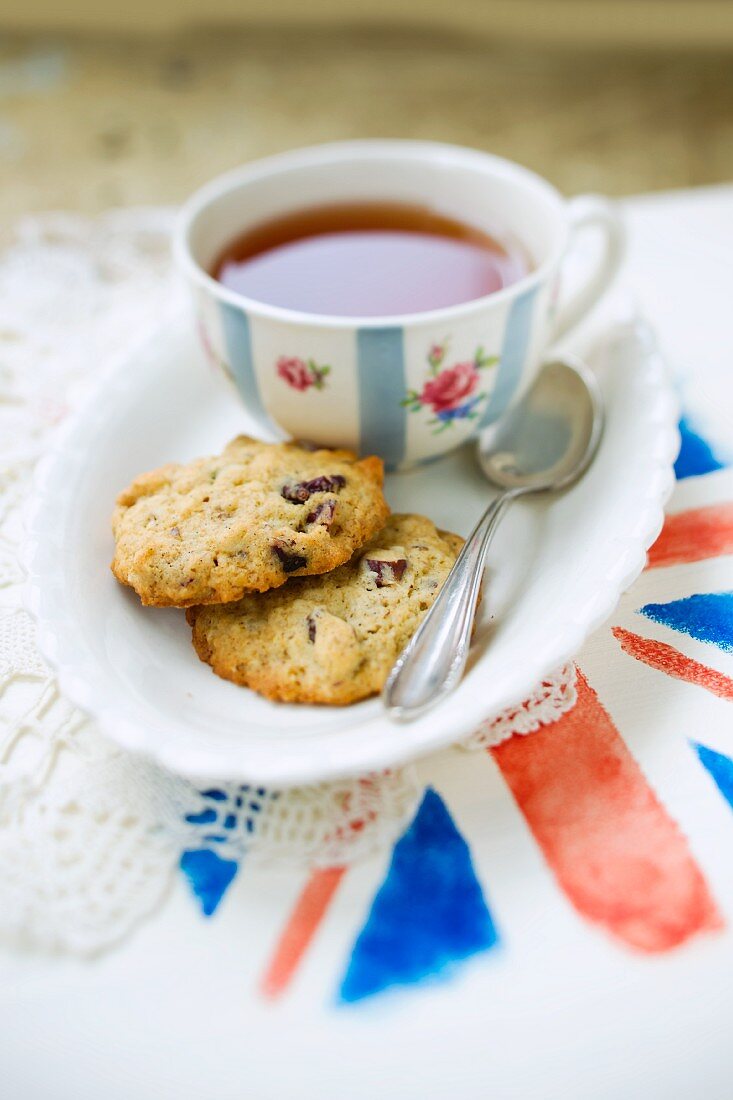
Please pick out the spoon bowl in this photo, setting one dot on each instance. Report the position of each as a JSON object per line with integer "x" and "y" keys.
{"x": 545, "y": 444}
{"x": 550, "y": 438}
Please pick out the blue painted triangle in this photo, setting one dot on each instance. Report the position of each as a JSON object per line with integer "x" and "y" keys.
{"x": 209, "y": 876}
{"x": 428, "y": 914}
{"x": 707, "y": 617}
{"x": 720, "y": 768}
{"x": 696, "y": 455}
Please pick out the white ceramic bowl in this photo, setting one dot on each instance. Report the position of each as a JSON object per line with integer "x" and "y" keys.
{"x": 556, "y": 569}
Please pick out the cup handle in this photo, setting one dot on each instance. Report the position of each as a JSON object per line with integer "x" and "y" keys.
{"x": 585, "y": 211}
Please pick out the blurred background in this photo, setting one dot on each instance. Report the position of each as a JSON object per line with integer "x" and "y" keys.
{"x": 107, "y": 105}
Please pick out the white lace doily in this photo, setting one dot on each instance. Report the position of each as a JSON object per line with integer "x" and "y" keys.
{"x": 548, "y": 702}
{"x": 89, "y": 836}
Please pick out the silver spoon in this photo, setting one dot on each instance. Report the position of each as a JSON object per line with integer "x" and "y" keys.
{"x": 544, "y": 445}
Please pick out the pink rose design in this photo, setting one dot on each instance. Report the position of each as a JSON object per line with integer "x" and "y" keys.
{"x": 450, "y": 388}
{"x": 436, "y": 354}
{"x": 295, "y": 372}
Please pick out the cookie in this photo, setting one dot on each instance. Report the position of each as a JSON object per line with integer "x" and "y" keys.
{"x": 333, "y": 638}
{"x": 244, "y": 521}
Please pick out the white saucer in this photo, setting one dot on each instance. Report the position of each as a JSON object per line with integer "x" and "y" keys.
{"x": 556, "y": 570}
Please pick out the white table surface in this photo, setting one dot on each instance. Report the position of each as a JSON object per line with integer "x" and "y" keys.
{"x": 559, "y": 1011}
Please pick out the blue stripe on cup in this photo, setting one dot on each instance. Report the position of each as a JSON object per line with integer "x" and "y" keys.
{"x": 235, "y": 326}
{"x": 513, "y": 354}
{"x": 381, "y": 378}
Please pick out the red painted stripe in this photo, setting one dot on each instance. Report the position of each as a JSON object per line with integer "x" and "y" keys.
{"x": 667, "y": 659}
{"x": 694, "y": 535}
{"x": 615, "y": 851}
{"x": 300, "y": 929}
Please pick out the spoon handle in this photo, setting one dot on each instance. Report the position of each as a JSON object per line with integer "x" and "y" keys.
{"x": 433, "y": 661}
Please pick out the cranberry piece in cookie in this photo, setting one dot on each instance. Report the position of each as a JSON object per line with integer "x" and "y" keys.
{"x": 301, "y": 491}
{"x": 386, "y": 567}
{"x": 323, "y": 513}
{"x": 289, "y": 560}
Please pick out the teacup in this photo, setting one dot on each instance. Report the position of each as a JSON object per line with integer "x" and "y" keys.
{"x": 408, "y": 388}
